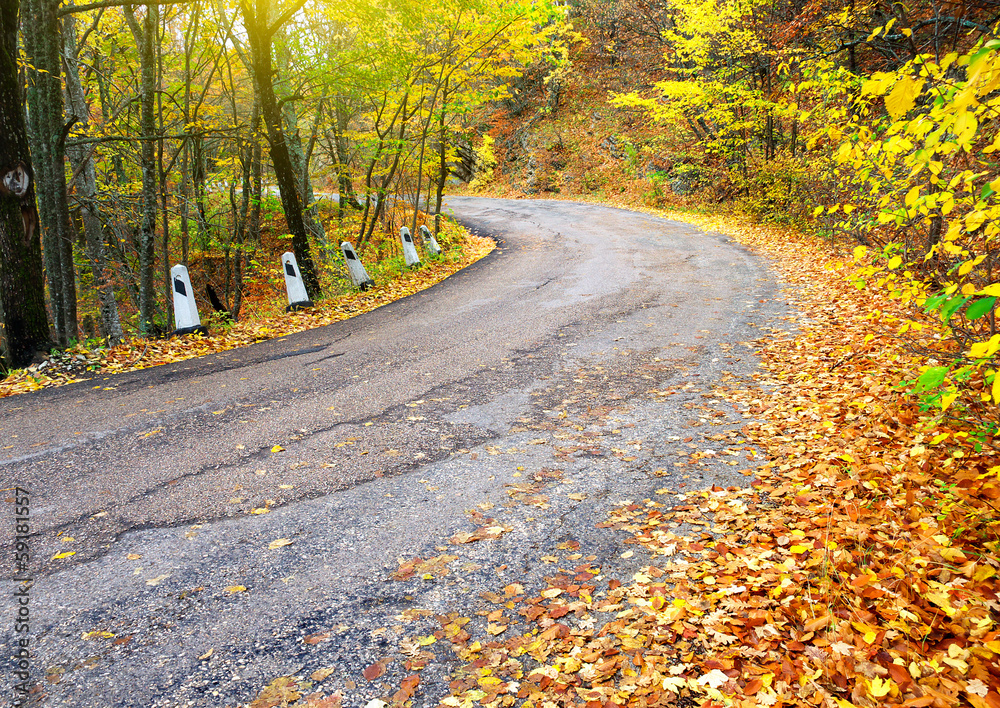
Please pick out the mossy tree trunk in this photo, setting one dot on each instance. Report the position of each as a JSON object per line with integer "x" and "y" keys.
{"x": 24, "y": 321}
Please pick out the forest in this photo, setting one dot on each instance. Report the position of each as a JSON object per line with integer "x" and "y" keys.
{"x": 871, "y": 124}
{"x": 180, "y": 131}
{"x": 175, "y": 132}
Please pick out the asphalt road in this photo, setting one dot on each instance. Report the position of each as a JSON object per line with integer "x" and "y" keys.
{"x": 538, "y": 373}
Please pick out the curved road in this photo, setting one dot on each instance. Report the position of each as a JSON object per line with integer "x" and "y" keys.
{"x": 528, "y": 394}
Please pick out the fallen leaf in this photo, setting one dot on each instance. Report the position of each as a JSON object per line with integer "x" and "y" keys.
{"x": 320, "y": 675}
{"x": 373, "y": 671}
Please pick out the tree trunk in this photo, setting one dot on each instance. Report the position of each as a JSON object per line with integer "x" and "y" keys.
{"x": 442, "y": 160}
{"x": 256, "y": 183}
{"x": 162, "y": 170}
{"x": 22, "y": 288}
{"x": 42, "y": 39}
{"x": 259, "y": 36}
{"x": 81, "y": 159}
{"x": 345, "y": 190}
{"x": 300, "y": 163}
{"x": 144, "y": 35}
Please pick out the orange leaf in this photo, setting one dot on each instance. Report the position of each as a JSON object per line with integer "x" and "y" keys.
{"x": 817, "y": 623}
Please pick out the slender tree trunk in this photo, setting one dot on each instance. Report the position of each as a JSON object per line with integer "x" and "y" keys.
{"x": 259, "y": 36}
{"x": 344, "y": 187}
{"x": 144, "y": 35}
{"x": 442, "y": 160}
{"x": 256, "y": 186}
{"x": 300, "y": 163}
{"x": 81, "y": 159}
{"x": 420, "y": 161}
{"x": 43, "y": 38}
{"x": 168, "y": 299}
{"x": 383, "y": 188}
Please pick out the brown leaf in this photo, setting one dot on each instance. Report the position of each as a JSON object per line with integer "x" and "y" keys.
{"x": 320, "y": 675}
{"x": 373, "y": 671}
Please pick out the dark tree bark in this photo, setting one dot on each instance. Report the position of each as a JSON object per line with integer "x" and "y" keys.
{"x": 260, "y": 33}
{"x": 22, "y": 289}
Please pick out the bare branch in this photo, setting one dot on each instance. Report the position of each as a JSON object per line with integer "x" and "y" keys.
{"x": 69, "y": 9}
{"x": 285, "y": 16}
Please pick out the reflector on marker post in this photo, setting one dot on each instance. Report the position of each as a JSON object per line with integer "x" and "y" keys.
{"x": 432, "y": 244}
{"x": 409, "y": 250}
{"x": 359, "y": 276}
{"x": 297, "y": 295}
{"x": 186, "y": 319}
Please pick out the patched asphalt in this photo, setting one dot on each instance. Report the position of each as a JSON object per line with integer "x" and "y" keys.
{"x": 569, "y": 371}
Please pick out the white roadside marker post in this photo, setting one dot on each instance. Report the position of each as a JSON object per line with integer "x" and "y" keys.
{"x": 186, "y": 319}
{"x": 432, "y": 244}
{"x": 359, "y": 276}
{"x": 409, "y": 250}
{"x": 297, "y": 296}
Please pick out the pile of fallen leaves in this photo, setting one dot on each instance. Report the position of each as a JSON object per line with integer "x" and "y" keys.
{"x": 860, "y": 569}
{"x": 80, "y": 363}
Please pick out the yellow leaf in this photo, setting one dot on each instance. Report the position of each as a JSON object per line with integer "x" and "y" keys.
{"x": 877, "y": 84}
{"x": 97, "y": 635}
{"x": 232, "y": 589}
{"x": 981, "y": 350}
{"x": 995, "y": 391}
{"x": 64, "y": 554}
{"x": 903, "y": 96}
{"x": 992, "y": 290}
{"x": 952, "y": 555}
{"x": 259, "y": 510}
{"x": 797, "y": 549}
{"x": 277, "y": 448}
{"x": 859, "y": 253}
{"x": 895, "y": 262}
{"x": 974, "y": 220}
{"x": 278, "y": 543}
{"x": 880, "y": 688}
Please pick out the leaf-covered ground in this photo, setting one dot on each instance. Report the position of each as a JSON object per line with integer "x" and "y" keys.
{"x": 81, "y": 363}
{"x": 860, "y": 568}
